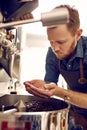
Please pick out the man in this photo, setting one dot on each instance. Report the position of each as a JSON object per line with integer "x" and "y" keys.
{"x": 66, "y": 56}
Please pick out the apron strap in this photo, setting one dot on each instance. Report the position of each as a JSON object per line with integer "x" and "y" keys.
{"x": 82, "y": 79}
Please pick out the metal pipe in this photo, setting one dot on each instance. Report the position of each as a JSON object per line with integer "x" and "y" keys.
{"x": 16, "y": 23}
{"x": 54, "y": 17}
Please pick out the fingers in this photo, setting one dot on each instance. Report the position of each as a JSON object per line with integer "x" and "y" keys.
{"x": 40, "y": 88}
{"x": 40, "y": 92}
{"x": 37, "y": 83}
{"x": 34, "y": 90}
{"x": 50, "y": 86}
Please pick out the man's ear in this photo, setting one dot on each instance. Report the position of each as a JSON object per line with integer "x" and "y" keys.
{"x": 79, "y": 33}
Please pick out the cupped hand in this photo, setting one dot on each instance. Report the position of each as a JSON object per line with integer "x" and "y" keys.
{"x": 40, "y": 88}
{"x": 36, "y": 83}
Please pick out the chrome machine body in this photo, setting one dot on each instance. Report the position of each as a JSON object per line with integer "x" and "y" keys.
{"x": 33, "y": 113}
{"x": 10, "y": 41}
{"x": 37, "y": 113}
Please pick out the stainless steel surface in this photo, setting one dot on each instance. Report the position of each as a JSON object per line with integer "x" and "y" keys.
{"x": 9, "y": 53}
{"x": 13, "y": 9}
{"x": 43, "y": 114}
{"x": 17, "y": 23}
{"x": 4, "y": 77}
{"x": 54, "y": 17}
{"x": 10, "y": 57}
{"x": 52, "y": 120}
{"x": 10, "y": 69}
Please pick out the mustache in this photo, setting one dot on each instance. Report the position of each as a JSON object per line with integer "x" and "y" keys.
{"x": 55, "y": 51}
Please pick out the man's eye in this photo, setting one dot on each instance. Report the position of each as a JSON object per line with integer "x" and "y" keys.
{"x": 60, "y": 42}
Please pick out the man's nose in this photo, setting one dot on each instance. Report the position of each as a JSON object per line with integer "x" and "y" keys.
{"x": 56, "y": 47}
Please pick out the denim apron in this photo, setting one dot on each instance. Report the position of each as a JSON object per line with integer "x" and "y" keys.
{"x": 72, "y": 77}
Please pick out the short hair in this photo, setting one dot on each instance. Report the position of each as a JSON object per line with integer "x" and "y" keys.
{"x": 74, "y": 20}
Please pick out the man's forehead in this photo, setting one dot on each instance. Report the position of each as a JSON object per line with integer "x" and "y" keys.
{"x": 56, "y": 26}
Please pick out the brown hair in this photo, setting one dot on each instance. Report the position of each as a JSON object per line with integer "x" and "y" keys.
{"x": 74, "y": 21}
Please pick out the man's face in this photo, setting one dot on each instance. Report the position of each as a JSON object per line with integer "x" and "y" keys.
{"x": 62, "y": 41}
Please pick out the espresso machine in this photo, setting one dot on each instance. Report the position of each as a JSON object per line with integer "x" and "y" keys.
{"x": 23, "y": 111}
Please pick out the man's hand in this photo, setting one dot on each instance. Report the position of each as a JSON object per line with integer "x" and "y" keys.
{"x": 30, "y": 85}
{"x": 40, "y": 88}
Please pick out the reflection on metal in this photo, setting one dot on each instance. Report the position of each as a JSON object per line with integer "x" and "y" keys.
{"x": 20, "y": 105}
{"x": 9, "y": 51}
{"x": 13, "y": 9}
{"x": 9, "y": 57}
{"x": 55, "y": 17}
{"x": 4, "y": 77}
{"x": 56, "y": 118}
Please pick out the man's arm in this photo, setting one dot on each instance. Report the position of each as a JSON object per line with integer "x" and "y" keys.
{"x": 75, "y": 98}
{"x": 51, "y": 89}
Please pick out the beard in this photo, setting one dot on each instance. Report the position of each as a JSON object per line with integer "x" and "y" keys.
{"x": 61, "y": 55}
